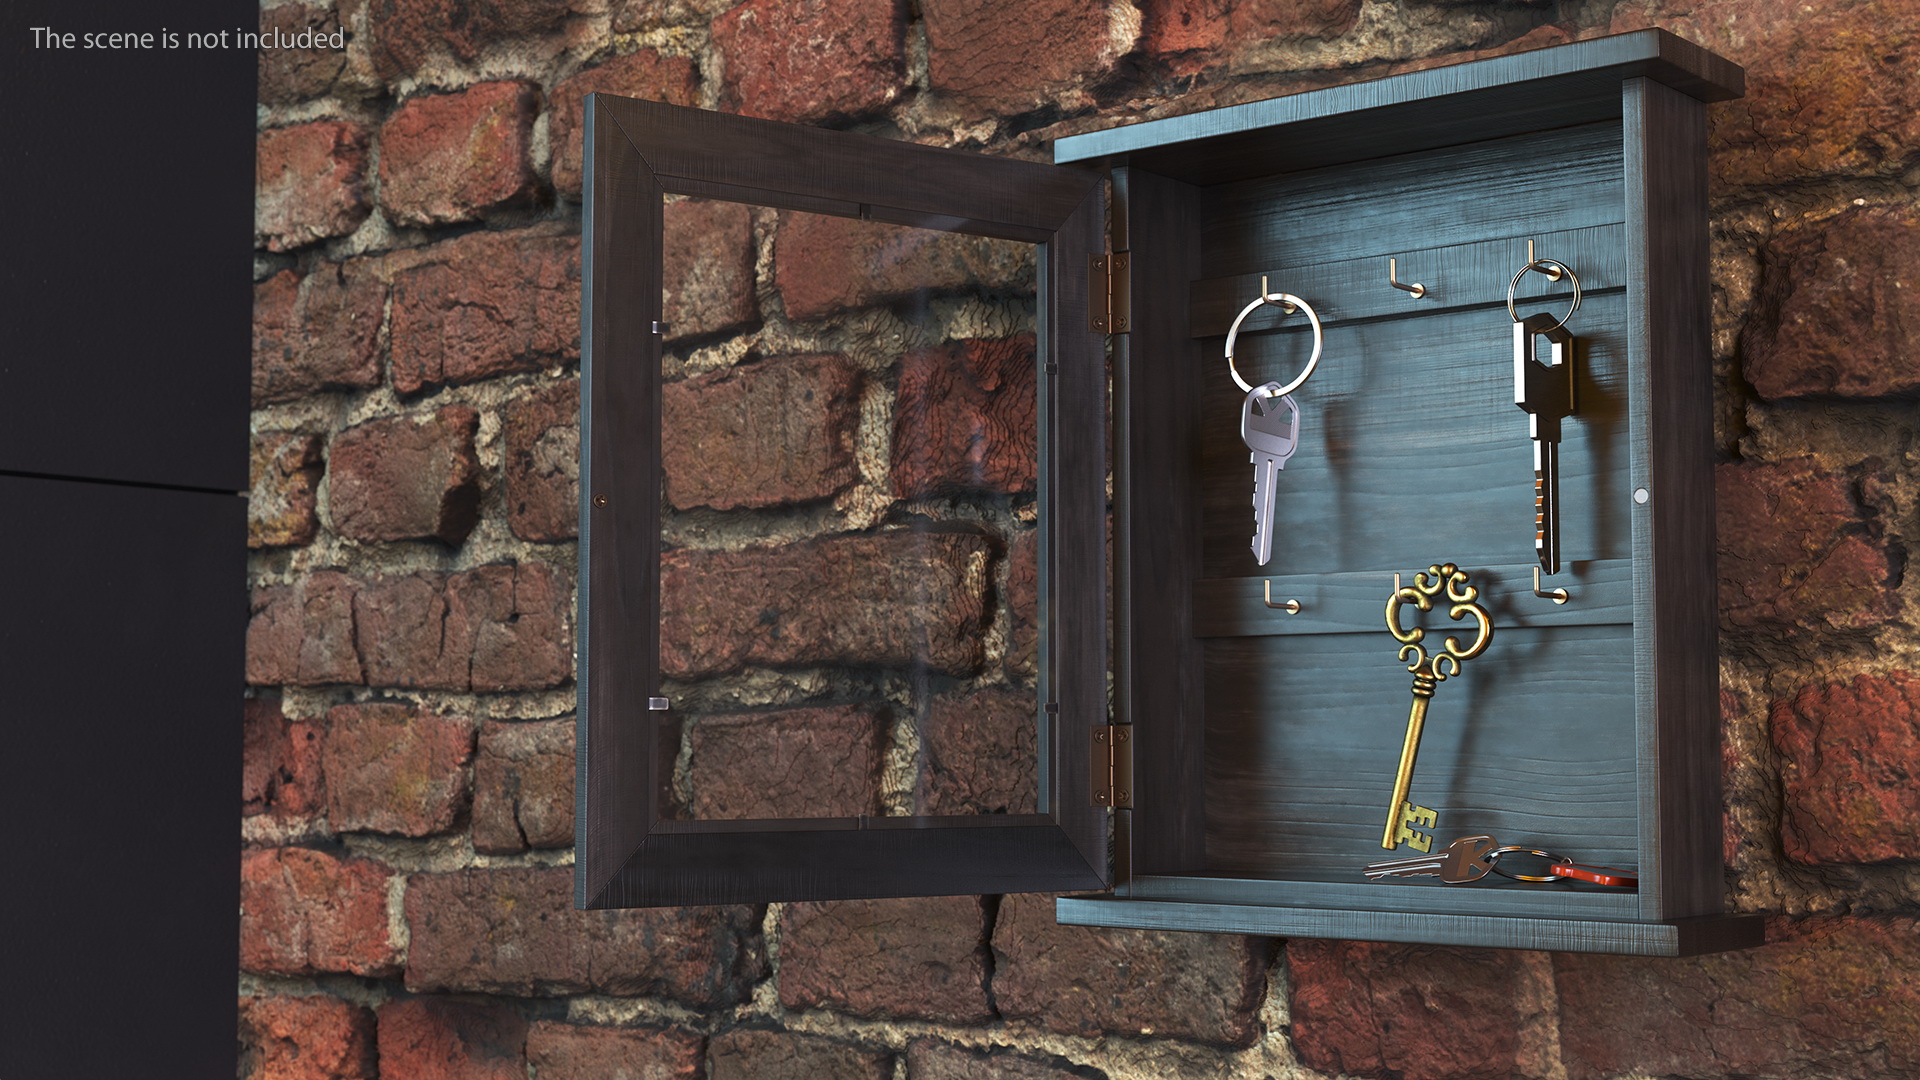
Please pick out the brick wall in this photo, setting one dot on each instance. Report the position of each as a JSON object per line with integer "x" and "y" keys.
{"x": 407, "y": 809}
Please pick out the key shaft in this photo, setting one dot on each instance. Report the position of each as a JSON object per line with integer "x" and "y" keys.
{"x": 1397, "y": 809}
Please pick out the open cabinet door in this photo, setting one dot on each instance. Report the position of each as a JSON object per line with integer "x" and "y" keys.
{"x": 673, "y": 758}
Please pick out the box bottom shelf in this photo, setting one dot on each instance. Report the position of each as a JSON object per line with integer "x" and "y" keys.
{"x": 1675, "y": 937}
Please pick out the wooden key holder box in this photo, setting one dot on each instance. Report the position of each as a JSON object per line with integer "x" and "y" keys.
{"x": 1235, "y": 775}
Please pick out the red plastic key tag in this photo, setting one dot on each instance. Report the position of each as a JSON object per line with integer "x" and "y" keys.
{"x": 1599, "y": 875}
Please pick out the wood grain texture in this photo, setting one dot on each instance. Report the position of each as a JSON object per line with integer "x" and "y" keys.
{"x": 627, "y": 854}
{"x": 1671, "y": 400}
{"x": 1422, "y": 110}
{"x": 1157, "y": 523}
{"x": 1680, "y": 937}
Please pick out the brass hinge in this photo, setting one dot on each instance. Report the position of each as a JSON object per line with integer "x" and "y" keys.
{"x": 1112, "y": 762}
{"x": 1110, "y": 292}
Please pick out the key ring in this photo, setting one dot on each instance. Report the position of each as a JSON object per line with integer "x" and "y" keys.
{"x": 1540, "y": 266}
{"x": 1493, "y": 858}
{"x": 1276, "y": 298}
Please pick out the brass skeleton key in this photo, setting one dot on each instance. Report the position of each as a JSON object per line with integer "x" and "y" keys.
{"x": 1428, "y": 672}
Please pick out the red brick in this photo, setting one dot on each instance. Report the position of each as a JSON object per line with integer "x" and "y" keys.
{"x": 1825, "y": 997}
{"x": 303, "y": 634}
{"x": 966, "y": 418}
{"x": 929, "y": 1059}
{"x": 1838, "y": 309}
{"x": 486, "y": 304}
{"x": 779, "y": 431}
{"x": 407, "y": 32}
{"x": 641, "y": 74}
{"x": 811, "y": 60}
{"x": 501, "y": 627}
{"x": 1798, "y": 552}
{"x": 823, "y": 264}
{"x": 284, "y": 478}
{"x": 560, "y": 1051}
{"x": 707, "y": 268}
{"x": 792, "y": 763}
{"x": 748, "y": 1054}
{"x": 523, "y": 786}
{"x": 306, "y": 1038}
{"x": 1082, "y": 980}
{"x": 1001, "y": 58}
{"x": 1023, "y": 606}
{"x": 542, "y": 465}
{"x": 413, "y": 477}
{"x": 280, "y": 771}
{"x": 453, "y": 157}
{"x": 305, "y": 912}
{"x": 923, "y": 958}
{"x": 981, "y": 751}
{"x": 1849, "y": 755}
{"x": 309, "y": 184}
{"x": 1186, "y": 36}
{"x": 894, "y": 599}
{"x": 1367, "y": 1009}
{"x": 438, "y": 1039}
{"x": 296, "y": 74}
{"x": 318, "y": 332}
{"x": 706, "y": 956}
{"x": 1830, "y": 88}
{"x": 395, "y": 769}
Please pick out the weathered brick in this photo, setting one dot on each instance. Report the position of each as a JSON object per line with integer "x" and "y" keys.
{"x": 705, "y": 956}
{"x": 438, "y": 1039}
{"x": 1839, "y": 308}
{"x": 824, "y": 264}
{"x": 892, "y": 599}
{"x": 318, "y": 332}
{"x": 406, "y": 32}
{"x": 707, "y": 268}
{"x": 280, "y": 771}
{"x": 779, "y": 431}
{"x": 1825, "y": 997}
{"x": 1849, "y": 755}
{"x": 981, "y": 753}
{"x": 542, "y": 464}
{"x": 1015, "y": 58}
{"x": 966, "y": 418}
{"x": 395, "y": 769}
{"x": 1023, "y": 606}
{"x": 811, "y": 60}
{"x": 749, "y": 1054}
{"x": 560, "y": 1051}
{"x": 501, "y": 627}
{"x": 923, "y": 958}
{"x": 793, "y": 763}
{"x": 640, "y": 74}
{"x": 930, "y": 1059}
{"x": 523, "y": 786}
{"x": 288, "y": 75}
{"x": 486, "y": 304}
{"x": 1830, "y": 88}
{"x": 305, "y": 1038}
{"x": 309, "y": 184}
{"x": 1187, "y": 35}
{"x": 1367, "y": 1009}
{"x": 284, "y": 478}
{"x": 1082, "y": 980}
{"x": 1797, "y": 551}
{"x": 453, "y": 157}
{"x": 303, "y": 634}
{"x": 304, "y": 912}
{"x": 413, "y": 477}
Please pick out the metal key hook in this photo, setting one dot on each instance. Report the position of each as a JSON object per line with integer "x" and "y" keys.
{"x": 1281, "y": 299}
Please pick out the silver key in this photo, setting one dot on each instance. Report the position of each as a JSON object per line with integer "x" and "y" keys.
{"x": 1463, "y": 860}
{"x": 1271, "y": 445}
